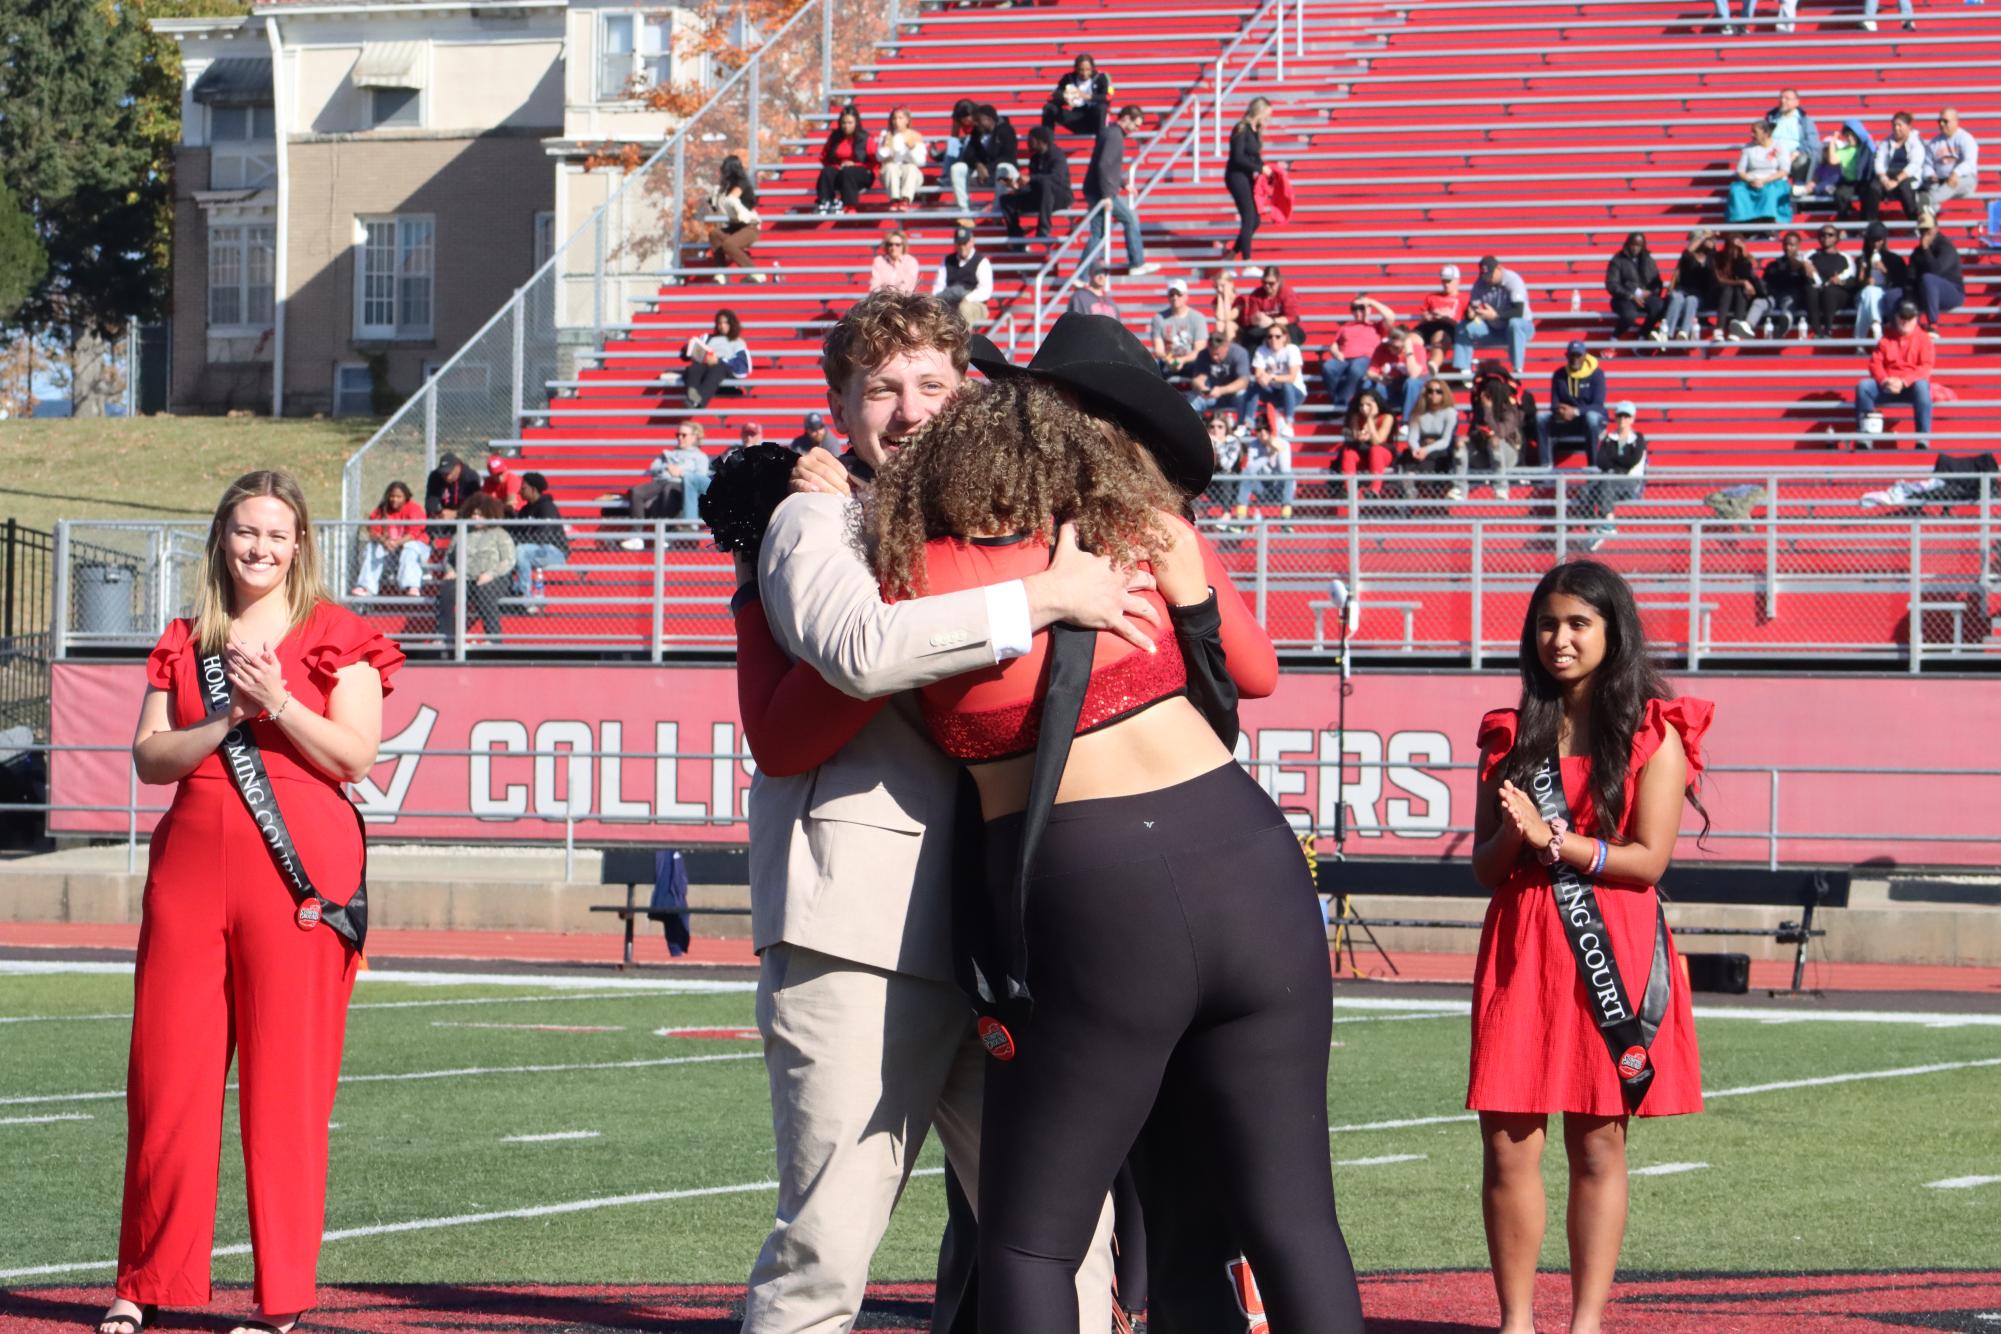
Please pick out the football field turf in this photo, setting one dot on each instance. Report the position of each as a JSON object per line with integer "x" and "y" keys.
{"x": 581, "y": 1130}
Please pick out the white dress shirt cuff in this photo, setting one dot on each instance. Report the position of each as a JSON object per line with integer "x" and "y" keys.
{"x": 1008, "y": 625}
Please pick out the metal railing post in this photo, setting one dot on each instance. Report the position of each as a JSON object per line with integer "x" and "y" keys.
{"x": 1772, "y": 548}
{"x": 1299, "y": 26}
{"x": 519, "y": 400}
{"x": 1279, "y": 13}
{"x": 597, "y": 268}
{"x": 656, "y": 649}
{"x": 1219, "y": 108}
{"x": 826, "y": 51}
{"x": 750, "y": 148}
{"x": 459, "y": 529}
{"x": 1477, "y": 627}
{"x": 1917, "y": 653}
{"x": 1264, "y": 566}
{"x": 1195, "y": 142}
{"x": 131, "y": 818}
{"x": 677, "y": 257}
{"x": 59, "y": 596}
{"x": 1774, "y": 818}
{"x": 1694, "y": 594}
{"x": 1562, "y": 517}
{"x": 430, "y": 430}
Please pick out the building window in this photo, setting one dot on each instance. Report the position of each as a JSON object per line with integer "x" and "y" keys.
{"x": 242, "y": 148}
{"x": 393, "y": 108}
{"x": 354, "y": 391}
{"x": 637, "y": 51}
{"x": 241, "y": 263}
{"x": 545, "y": 237}
{"x": 241, "y": 125}
{"x": 393, "y": 278}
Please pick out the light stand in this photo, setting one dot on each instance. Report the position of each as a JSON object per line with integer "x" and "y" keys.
{"x": 1348, "y": 607}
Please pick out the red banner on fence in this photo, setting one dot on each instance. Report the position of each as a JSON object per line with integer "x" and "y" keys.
{"x": 1406, "y": 730}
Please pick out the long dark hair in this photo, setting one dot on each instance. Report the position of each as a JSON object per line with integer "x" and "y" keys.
{"x": 736, "y": 177}
{"x": 1620, "y": 690}
{"x": 834, "y": 136}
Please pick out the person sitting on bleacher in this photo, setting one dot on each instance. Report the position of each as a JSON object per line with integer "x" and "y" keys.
{"x": 893, "y": 267}
{"x": 1095, "y": 296}
{"x": 1787, "y": 8}
{"x": 1081, "y": 99}
{"x": 1952, "y": 163}
{"x": 901, "y": 150}
{"x": 504, "y": 485}
{"x": 1739, "y": 296}
{"x": 489, "y": 557}
{"x": 1270, "y": 302}
{"x": 1502, "y": 414}
{"x": 1220, "y": 377}
{"x": 1847, "y": 159}
{"x": 1398, "y": 370}
{"x": 1621, "y": 459}
{"x": 1634, "y": 282}
{"x": 1794, "y": 135}
{"x": 1223, "y": 303}
{"x": 1832, "y": 291}
{"x": 1762, "y": 190}
{"x": 1934, "y": 278}
{"x": 1693, "y": 290}
{"x": 395, "y": 534}
{"x": 1177, "y": 333}
{"x": 953, "y": 145}
{"x": 1279, "y": 373}
{"x": 1900, "y": 169}
{"x": 1879, "y": 271}
{"x": 847, "y": 167}
{"x": 1789, "y": 284}
{"x": 1903, "y": 8}
{"x": 1365, "y": 441}
{"x": 1431, "y": 438}
{"x": 1900, "y": 371}
{"x": 714, "y": 359}
{"x": 1577, "y": 405}
{"x": 538, "y": 546}
{"x": 965, "y": 279}
{"x": 1439, "y": 314}
{"x": 1344, "y": 366}
{"x": 675, "y": 482}
{"x": 1047, "y": 189}
{"x": 989, "y": 158}
{"x": 1496, "y": 312}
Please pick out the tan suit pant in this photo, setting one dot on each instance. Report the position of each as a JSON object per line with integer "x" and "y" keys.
{"x": 862, "y": 1062}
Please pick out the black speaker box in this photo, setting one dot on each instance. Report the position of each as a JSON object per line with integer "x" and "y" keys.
{"x": 1728, "y": 973}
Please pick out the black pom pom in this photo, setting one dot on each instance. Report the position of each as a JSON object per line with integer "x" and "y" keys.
{"x": 745, "y": 486}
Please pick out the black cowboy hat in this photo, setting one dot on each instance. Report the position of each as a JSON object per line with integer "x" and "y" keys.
{"x": 1113, "y": 373}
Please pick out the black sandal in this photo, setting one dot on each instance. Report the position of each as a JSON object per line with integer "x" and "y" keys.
{"x": 139, "y": 1323}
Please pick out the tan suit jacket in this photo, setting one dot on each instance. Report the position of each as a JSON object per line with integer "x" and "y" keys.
{"x": 853, "y": 859}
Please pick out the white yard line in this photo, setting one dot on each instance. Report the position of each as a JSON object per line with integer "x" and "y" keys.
{"x": 462, "y": 1072}
{"x": 535, "y": 1028}
{"x": 45, "y": 1120}
{"x": 1961, "y": 1183}
{"x": 1381, "y": 1161}
{"x": 1666, "y": 1169}
{"x": 691, "y": 986}
{"x": 58, "y": 1018}
{"x": 551, "y": 1137}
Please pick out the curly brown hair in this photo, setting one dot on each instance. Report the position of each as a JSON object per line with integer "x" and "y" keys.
{"x": 1009, "y": 456}
{"x": 885, "y": 323}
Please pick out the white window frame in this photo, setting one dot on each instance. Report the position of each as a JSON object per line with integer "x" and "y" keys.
{"x": 649, "y": 67}
{"x": 410, "y": 246}
{"x": 234, "y": 253}
{"x": 340, "y": 370}
{"x": 240, "y": 162}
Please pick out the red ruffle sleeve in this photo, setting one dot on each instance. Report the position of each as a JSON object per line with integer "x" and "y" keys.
{"x": 1497, "y": 738}
{"x": 1689, "y": 717}
{"x": 793, "y": 720}
{"x": 1247, "y": 650}
{"x": 162, "y": 662}
{"x": 340, "y": 639}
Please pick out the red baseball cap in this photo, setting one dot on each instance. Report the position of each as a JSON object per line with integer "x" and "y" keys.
{"x": 496, "y": 465}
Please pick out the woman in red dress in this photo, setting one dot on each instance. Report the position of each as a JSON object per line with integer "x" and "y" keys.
{"x": 1629, "y": 754}
{"x": 230, "y": 955}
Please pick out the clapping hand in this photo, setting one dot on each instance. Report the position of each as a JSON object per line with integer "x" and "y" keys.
{"x": 256, "y": 677}
{"x": 1519, "y": 809}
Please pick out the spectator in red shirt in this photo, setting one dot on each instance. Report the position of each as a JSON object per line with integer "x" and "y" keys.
{"x": 388, "y": 540}
{"x": 503, "y": 484}
{"x": 1345, "y": 365}
{"x": 1900, "y": 371}
{"x": 1270, "y": 302}
{"x": 847, "y": 166}
{"x": 1398, "y": 369}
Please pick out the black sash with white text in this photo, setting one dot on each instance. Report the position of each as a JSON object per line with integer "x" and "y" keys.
{"x": 245, "y": 763}
{"x": 1628, "y": 1032}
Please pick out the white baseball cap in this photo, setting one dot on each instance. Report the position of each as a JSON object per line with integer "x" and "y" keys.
{"x": 1449, "y": 273}
{"x": 1254, "y": 271}
{"x": 1625, "y": 408}
{"x": 1178, "y": 285}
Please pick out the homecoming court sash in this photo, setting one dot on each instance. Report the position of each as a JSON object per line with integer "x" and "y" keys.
{"x": 245, "y": 763}
{"x": 1628, "y": 1033}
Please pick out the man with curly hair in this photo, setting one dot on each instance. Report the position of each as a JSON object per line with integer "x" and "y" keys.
{"x": 868, "y": 1042}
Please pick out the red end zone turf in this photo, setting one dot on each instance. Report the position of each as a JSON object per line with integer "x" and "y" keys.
{"x": 1457, "y": 1302}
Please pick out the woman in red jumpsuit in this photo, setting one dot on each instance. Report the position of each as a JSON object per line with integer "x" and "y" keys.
{"x": 1593, "y": 706}
{"x": 230, "y": 959}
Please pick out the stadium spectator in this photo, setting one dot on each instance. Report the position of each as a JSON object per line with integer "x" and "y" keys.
{"x": 1831, "y": 293}
{"x": 489, "y": 557}
{"x": 1082, "y": 99}
{"x": 1439, "y": 315}
{"x": 1398, "y": 369}
{"x": 1497, "y": 311}
{"x": 1576, "y": 413}
{"x": 1787, "y": 9}
{"x": 1794, "y": 135}
{"x": 675, "y": 482}
{"x": 749, "y": 434}
{"x": 1762, "y": 190}
{"x": 1621, "y": 460}
{"x": 503, "y": 484}
{"x": 1226, "y": 442}
{"x": 1847, "y": 158}
{"x": 1899, "y": 171}
{"x": 1878, "y": 271}
{"x": 735, "y": 197}
{"x": 1095, "y": 296}
{"x": 1240, "y": 173}
{"x": 1223, "y": 303}
{"x": 714, "y": 359}
{"x": 894, "y": 266}
{"x": 812, "y": 434}
{"x": 1869, "y": 8}
{"x": 1900, "y": 371}
{"x": 1634, "y": 282}
{"x": 1789, "y": 284}
{"x": 1105, "y": 179}
{"x": 1432, "y": 435}
{"x": 1270, "y": 302}
{"x": 1952, "y": 163}
{"x": 1278, "y": 373}
{"x": 1178, "y": 332}
{"x": 1268, "y": 454}
{"x": 901, "y": 150}
{"x": 1046, "y": 190}
{"x": 1365, "y": 441}
{"x": 846, "y": 166}
{"x": 541, "y": 545}
{"x": 953, "y": 145}
{"x": 1736, "y": 290}
{"x": 965, "y": 279}
{"x": 1502, "y": 416}
{"x": 448, "y": 486}
{"x": 1220, "y": 378}
{"x": 1693, "y": 290}
{"x": 395, "y": 533}
{"x": 1344, "y": 366}
{"x": 1936, "y": 281}
{"x": 990, "y": 158}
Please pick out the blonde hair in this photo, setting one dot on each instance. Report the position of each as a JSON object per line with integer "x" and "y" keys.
{"x": 305, "y": 586}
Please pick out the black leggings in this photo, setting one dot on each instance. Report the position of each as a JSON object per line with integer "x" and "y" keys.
{"x": 1243, "y": 196}
{"x": 1176, "y": 955}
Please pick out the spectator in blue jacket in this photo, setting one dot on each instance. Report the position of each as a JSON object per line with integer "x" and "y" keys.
{"x": 1577, "y": 405}
{"x": 1794, "y": 135}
